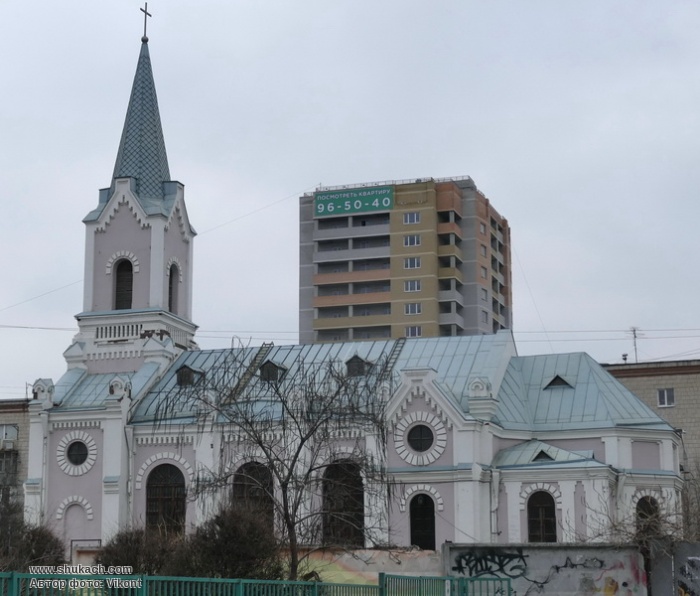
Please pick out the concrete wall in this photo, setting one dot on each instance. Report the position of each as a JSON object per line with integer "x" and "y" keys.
{"x": 676, "y": 569}
{"x": 559, "y": 570}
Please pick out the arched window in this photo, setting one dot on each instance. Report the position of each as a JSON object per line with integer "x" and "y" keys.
{"x": 124, "y": 285}
{"x": 648, "y": 520}
{"x": 172, "y": 288}
{"x": 343, "y": 505}
{"x": 166, "y": 498}
{"x": 541, "y": 518}
{"x": 253, "y": 489}
{"x": 422, "y": 512}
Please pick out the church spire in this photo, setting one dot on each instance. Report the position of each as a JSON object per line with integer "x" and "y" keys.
{"x": 141, "y": 152}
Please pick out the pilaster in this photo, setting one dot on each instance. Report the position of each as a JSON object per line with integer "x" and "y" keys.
{"x": 514, "y": 511}
{"x": 157, "y": 292}
{"x": 567, "y": 489}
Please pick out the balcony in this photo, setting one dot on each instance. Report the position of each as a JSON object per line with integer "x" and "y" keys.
{"x": 321, "y": 279}
{"x": 355, "y": 253}
{"x": 447, "y": 272}
{"x": 451, "y": 296}
{"x": 451, "y": 318}
{"x": 347, "y": 299}
{"x": 357, "y": 322}
{"x": 351, "y": 232}
{"x": 450, "y": 250}
{"x": 449, "y": 228}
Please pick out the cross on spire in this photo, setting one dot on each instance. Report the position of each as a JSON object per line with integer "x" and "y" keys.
{"x": 146, "y": 14}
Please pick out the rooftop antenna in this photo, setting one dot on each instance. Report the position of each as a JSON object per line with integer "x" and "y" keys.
{"x": 635, "y": 331}
{"x": 146, "y": 14}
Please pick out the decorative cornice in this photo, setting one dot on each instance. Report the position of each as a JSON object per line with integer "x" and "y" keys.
{"x": 69, "y": 424}
{"x": 165, "y": 440}
{"x": 178, "y": 211}
{"x": 419, "y": 392}
{"x": 132, "y": 204}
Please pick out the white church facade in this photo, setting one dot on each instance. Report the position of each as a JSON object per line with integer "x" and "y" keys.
{"x": 478, "y": 444}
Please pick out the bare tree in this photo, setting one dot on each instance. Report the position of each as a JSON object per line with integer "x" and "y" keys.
{"x": 23, "y": 545}
{"x": 651, "y": 519}
{"x": 302, "y": 444}
{"x": 691, "y": 502}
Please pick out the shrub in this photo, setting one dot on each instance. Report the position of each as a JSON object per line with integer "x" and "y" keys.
{"x": 236, "y": 543}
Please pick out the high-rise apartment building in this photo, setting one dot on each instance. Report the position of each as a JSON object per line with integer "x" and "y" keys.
{"x": 410, "y": 258}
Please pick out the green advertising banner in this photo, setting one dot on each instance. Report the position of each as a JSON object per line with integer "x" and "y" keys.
{"x": 353, "y": 200}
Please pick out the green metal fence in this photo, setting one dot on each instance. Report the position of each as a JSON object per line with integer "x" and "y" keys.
{"x": 25, "y": 584}
{"x": 403, "y": 585}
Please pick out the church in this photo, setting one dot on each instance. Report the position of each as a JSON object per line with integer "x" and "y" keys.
{"x": 468, "y": 441}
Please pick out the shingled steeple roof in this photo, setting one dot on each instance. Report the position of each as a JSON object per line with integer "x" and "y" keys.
{"x": 141, "y": 152}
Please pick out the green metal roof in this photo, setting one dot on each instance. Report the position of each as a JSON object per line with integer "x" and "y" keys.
{"x": 530, "y": 453}
{"x": 79, "y": 390}
{"x": 141, "y": 152}
{"x": 593, "y": 399}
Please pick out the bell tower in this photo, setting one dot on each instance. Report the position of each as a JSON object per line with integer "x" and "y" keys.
{"x": 138, "y": 250}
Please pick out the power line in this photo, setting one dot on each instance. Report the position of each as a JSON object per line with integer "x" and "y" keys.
{"x": 532, "y": 297}
{"x": 258, "y": 210}
{"x": 41, "y": 295}
{"x": 36, "y": 328}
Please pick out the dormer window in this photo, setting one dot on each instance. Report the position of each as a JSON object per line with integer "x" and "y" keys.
{"x": 271, "y": 373}
{"x": 558, "y": 381}
{"x": 542, "y": 456}
{"x": 185, "y": 376}
{"x": 357, "y": 367}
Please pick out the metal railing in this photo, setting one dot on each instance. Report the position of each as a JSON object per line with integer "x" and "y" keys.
{"x": 26, "y": 584}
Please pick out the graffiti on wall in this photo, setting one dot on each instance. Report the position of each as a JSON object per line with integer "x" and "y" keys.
{"x": 689, "y": 577}
{"x": 491, "y": 562}
{"x": 561, "y": 571}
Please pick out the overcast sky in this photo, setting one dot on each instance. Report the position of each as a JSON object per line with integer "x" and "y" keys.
{"x": 579, "y": 120}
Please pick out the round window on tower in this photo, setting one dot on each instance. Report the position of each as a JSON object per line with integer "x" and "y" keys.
{"x": 420, "y": 438}
{"x": 77, "y": 453}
